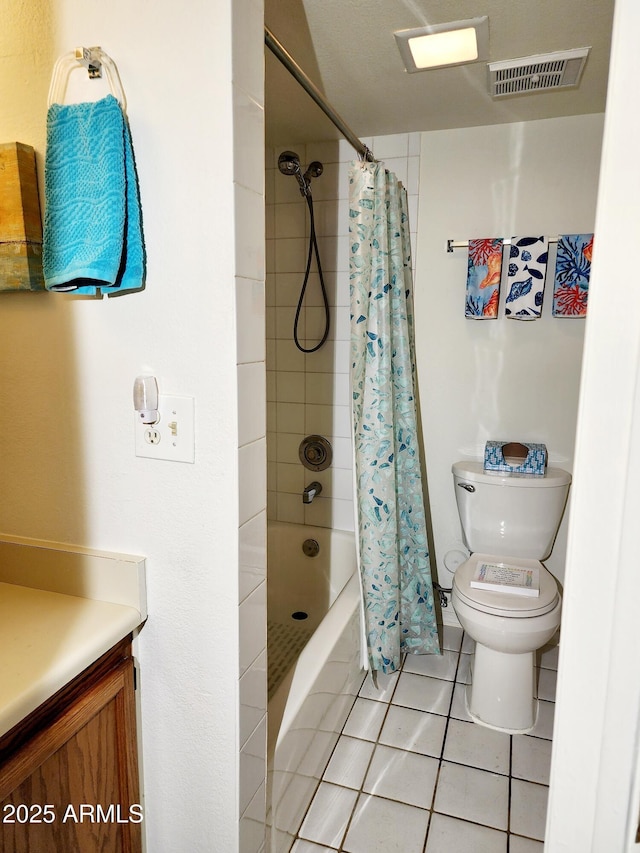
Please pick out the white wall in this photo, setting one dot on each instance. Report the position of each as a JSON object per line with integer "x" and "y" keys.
{"x": 67, "y": 366}
{"x": 497, "y": 379}
{"x": 595, "y": 774}
{"x": 309, "y": 393}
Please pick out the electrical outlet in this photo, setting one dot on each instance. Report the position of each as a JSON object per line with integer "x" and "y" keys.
{"x": 173, "y": 437}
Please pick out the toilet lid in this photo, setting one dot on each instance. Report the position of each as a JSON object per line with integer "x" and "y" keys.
{"x": 505, "y": 603}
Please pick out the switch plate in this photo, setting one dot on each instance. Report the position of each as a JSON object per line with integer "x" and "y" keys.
{"x": 173, "y": 436}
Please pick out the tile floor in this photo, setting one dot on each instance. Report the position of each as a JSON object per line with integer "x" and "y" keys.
{"x": 411, "y": 773}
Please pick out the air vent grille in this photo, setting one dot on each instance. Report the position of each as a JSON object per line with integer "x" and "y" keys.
{"x": 537, "y": 73}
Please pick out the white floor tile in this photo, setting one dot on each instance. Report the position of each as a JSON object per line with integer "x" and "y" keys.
{"x": 349, "y": 762}
{"x": 531, "y": 759}
{"x": 401, "y": 775}
{"x": 451, "y": 637}
{"x": 449, "y": 835}
{"x": 459, "y": 704}
{"x": 437, "y": 666}
{"x": 328, "y": 815}
{"x": 547, "y": 656}
{"x": 365, "y": 719}
{"x": 386, "y": 686}
{"x": 384, "y": 826}
{"x": 474, "y": 795}
{"x": 423, "y": 693}
{"x": 464, "y": 669}
{"x": 309, "y": 847}
{"x": 477, "y": 746}
{"x": 524, "y": 845}
{"x": 417, "y": 731}
{"x": 544, "y": 722}
{"x": 468, "y": 645}
{"x": 547, "y": 679}
{"x": 528, "y": 808}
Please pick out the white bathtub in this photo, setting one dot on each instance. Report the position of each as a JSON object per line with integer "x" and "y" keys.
{"x": 316, "y": 692}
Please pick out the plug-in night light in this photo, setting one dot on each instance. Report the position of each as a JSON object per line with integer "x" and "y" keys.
{"x": 145, "y": 399}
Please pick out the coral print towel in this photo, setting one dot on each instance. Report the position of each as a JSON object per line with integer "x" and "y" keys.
{"x": 525, "y": 278}
{"x": 571, "y": 283}
{"x": 483, "y": 278}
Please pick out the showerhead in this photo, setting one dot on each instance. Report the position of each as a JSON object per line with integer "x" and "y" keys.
{"x": 314, "y": 170}
{"x": 289, "y": 163}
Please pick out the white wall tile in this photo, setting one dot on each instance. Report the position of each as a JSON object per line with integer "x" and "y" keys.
{"x": 391, "y": 145}
{"x": 251, "y": 325}
{"x": 253, "y": 765}
{"x": 253, "y": 697}
{"x": 251, "y": 402}
{"x": 248, "y": 131}
{"x": 253, "y": 627}
{"x": 252, "y": 479}
{"x": 253, "y": 554}
{"x": 248, "y": 50}
{"x": 249, "y": 219}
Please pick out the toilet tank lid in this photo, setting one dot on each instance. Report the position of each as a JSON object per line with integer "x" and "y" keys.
{"x": 475, "y": 473}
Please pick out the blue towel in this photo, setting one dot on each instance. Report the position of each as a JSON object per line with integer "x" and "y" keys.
{"x": 92, "y": 239}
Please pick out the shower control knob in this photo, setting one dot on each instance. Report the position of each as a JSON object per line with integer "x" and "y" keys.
{"x": 315, "y": 453}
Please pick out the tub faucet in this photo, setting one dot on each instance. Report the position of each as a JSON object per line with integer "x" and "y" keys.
{"x": 312, "y": 491}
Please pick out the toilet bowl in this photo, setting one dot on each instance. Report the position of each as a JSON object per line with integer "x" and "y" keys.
{"x": 508, "y": 630}
{"x": 510, "y": 520}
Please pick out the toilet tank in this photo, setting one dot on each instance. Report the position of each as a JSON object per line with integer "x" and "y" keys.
{"x": 515, "y": 515}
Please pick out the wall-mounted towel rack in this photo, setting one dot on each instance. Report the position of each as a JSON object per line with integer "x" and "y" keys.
{"x": 464, "y": 244}
{"x": 94, "y": 60}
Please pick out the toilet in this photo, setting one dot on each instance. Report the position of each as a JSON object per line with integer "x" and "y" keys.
{"x": 509, "y": 519}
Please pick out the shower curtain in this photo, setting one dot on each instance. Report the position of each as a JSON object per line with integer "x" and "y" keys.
{"x": 398, "y": 607}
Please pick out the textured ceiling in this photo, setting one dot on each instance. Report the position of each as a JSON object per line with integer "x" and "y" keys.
{"x": 347, "y": 48}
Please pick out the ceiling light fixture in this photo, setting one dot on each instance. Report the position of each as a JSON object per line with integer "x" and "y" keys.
{"x": 440, "y": 45}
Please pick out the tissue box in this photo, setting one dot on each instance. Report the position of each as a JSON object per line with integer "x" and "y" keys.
{"x": 515, "y": 457}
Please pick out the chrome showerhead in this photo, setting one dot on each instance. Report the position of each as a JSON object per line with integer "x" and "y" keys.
{"x": 314, "y": 171}
{"x": 289, "y": 163}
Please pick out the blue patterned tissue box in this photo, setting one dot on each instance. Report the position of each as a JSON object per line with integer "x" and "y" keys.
{"x": 515, "y": 457}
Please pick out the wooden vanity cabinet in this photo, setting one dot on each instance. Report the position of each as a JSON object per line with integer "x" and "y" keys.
{"x": 69, "y": 771}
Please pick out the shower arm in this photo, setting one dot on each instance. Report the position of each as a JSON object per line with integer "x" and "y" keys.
{"x": 312, "y": 90}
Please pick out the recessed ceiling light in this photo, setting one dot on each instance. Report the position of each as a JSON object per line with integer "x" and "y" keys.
{"x": 438, "y": 45}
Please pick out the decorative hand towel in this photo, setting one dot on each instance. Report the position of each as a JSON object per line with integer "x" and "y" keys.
{"x": 573, "y": 268}
{"x": 92, "y": 237}
{"x": 525, "y": 277}
{"x": 483, "y": 278}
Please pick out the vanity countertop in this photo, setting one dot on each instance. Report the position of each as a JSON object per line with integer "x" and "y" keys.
{"x": 61, "y": 608}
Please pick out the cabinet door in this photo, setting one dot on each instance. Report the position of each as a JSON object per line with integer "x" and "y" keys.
{"x": 74, "y": 786}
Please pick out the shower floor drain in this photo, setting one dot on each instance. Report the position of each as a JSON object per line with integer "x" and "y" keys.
{"x": 284, "y": 644}
{"x": 299, "y": 615}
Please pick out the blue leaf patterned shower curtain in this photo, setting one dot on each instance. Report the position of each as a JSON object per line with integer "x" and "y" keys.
{"x": 395, "y": 571}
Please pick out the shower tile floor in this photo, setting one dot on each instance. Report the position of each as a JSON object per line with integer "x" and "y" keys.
{"x": 411, "y": 773}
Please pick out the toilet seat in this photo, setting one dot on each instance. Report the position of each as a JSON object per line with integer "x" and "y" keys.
{"x": 504, "y": 603}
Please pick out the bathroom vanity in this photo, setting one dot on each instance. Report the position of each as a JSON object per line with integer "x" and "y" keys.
{"x": 68, "y": 749}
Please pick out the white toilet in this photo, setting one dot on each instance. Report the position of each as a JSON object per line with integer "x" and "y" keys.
{"x": 511, "y": 519}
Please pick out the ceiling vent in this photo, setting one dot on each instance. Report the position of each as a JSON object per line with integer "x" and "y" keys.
{"x": 537, "y": 73}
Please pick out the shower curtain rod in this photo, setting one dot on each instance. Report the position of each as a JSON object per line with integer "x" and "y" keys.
{"x": 311, "y": 89}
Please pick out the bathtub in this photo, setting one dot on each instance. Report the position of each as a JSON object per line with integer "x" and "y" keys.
{"x": 313, "y": 610}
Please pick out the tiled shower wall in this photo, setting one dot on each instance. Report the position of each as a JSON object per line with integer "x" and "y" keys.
{"x": 309, "y": 393}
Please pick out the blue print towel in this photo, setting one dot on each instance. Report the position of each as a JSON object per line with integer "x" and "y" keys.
{"x": 484, "y": 266}
{"x": 525, "y": 277}
{"x": 573, "y": 268}
{"x": 92, "y": 238}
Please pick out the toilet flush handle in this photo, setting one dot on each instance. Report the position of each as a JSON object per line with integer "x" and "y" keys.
{"x": 467, "y": 487}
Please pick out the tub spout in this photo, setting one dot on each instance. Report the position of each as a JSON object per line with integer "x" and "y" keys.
{"x": 312, "y": 491}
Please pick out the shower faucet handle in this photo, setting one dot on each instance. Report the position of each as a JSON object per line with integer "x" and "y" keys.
{"x": 312, "y": 491}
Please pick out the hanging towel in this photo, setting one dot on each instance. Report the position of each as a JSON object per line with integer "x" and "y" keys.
{"x": 92, "y": 237}
{"x": 484, "y": 267}
{"x": 525, "y": 277}
{"x": 571, "y": 282}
